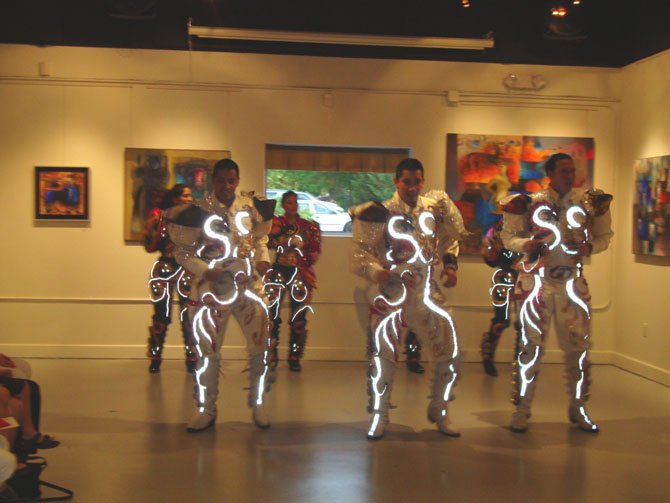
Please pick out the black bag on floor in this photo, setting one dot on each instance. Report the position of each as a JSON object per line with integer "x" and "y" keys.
{"x": 28, "y": 486}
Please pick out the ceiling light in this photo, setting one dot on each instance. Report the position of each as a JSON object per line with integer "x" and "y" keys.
{"x": 565, "y": 20}
{"x": 208, "y": 32}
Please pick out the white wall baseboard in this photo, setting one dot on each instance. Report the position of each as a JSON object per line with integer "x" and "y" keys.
{"x": 639, "y": 367}
{"x": 137, "y": 351}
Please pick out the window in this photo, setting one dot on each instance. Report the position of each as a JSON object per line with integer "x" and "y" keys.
{"x": 329, "y": 180}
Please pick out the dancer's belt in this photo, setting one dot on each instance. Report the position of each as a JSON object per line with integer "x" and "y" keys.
{"x": 560, "y": 272}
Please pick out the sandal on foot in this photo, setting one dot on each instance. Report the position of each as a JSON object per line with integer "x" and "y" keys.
{"x": 40, "y": 441}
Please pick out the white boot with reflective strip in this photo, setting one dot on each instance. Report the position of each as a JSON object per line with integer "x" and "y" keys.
{"x": 578, "y": 415}
{"x": 441, "y": 393}
{"x": 206, "y": 391}
{"x": 202, "y": 419}
{"x": 578, "y": 377}
{"x": 260, "y": 379}
{"x": 379, "y": 389}
{"x": 441, "y": 419}
{"x": 261, "y": 416}
{"x": 377, "y": 425}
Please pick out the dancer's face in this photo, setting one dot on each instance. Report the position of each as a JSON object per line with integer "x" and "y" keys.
{"x": 562, "y": 177}
{"x": 290, "y": 205}
{"x": 185, "y": 198}
{"x": 225, "y": 184}
{"x": 409, "y": 185}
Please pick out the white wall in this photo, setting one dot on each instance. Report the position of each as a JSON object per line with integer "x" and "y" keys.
{"x": 79, "y": 290}
{"x": 642, "y": 316}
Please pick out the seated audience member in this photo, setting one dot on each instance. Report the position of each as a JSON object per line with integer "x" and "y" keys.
{"x": 17, "y": 368}
{"x": 26, "y": 409}
{"x": 7, "y": 468}
{"x": 8, "y": 434}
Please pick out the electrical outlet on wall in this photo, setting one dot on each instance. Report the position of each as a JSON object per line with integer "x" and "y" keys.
{"x": 645, "y": 326}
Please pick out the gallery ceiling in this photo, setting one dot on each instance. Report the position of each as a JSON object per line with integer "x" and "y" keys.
{"x": 606, "y": 33}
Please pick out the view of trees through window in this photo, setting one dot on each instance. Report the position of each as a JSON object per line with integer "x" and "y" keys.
{"x": 325, "y": 196}
{"x": 327, "y": 192}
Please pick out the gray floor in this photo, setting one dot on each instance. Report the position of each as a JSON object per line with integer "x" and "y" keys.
{"x": 124, "y": 440}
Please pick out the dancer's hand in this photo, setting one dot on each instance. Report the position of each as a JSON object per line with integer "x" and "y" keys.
{"x": 6, "y": 361}
{"x": 449, "y": 277}
{"x": 385, "y": 276}
{"x": 582, "y": 249}
{"x": 215, "y": 275}
{"x": 533, "y": 246}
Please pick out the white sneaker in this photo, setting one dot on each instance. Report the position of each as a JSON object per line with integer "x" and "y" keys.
{"x": 377, "y": 426}
{"x": 441, "y": 420}
{"x": 201, "y": 421}
{"x": 519, "y": 422}
{"x": 578, "y": 415}
{"x": 260, "y": 416}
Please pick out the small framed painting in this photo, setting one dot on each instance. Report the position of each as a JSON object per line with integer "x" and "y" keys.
{"x": 61, "y": 193}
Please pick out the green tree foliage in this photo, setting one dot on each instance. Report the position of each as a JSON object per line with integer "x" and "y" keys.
{"x": 343, "y": 188}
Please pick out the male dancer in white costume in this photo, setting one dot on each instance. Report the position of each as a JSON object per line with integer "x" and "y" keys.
{"x": 398, "y": 245}
{"x": 556, "y": 228}
{"x": 221, "y": 241}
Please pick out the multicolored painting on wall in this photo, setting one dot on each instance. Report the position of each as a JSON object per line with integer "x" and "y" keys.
{"x": 61, "y": 193}
{"x": 483, "y": 169}
{"x": 651, "y": 208}
{"x": 151, "y": 172}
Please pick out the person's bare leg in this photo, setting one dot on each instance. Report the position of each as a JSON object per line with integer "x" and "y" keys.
{"x": 30, "y": 439}
{"x": 28, "y": 429}
{"x": 6, "y": 411}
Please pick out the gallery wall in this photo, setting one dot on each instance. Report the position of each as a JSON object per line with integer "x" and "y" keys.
{"x": 77, "y": 290}
{"x": 642, "y": 316}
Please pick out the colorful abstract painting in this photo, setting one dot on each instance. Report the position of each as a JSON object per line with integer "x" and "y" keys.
{"x": 61, "y": 193}
{"x": 651, "y": 207}
{"x": 483, "y": 169}
{"x": 149, "y": 173}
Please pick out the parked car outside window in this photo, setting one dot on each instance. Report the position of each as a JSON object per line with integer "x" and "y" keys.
{"x": 329, "y": 219}
{"x": 330, "y": 216}
{"x": 302, "y": 196}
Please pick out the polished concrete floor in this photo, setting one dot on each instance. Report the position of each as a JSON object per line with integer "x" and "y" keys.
{"x": 124, "y": 440}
